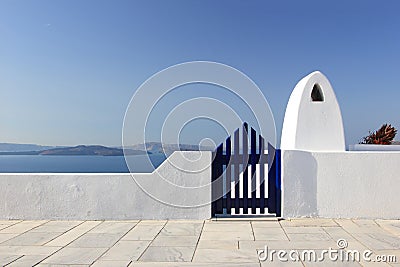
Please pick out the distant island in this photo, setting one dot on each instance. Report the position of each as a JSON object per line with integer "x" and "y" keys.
{"x": 81, "y": 150}
{"x": 157, "y": 147}
{"x": 95, "y": 150}
{"x": 13, "y": 147}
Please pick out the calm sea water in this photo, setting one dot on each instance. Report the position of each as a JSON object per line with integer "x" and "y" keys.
{"x": 80, "y": 164}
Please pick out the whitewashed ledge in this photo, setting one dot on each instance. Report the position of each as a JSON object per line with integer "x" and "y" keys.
{"x": 367, "y": 147}
{"x": 103, "y": 196}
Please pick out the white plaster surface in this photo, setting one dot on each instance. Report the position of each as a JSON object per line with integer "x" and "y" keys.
{"x": 111, "y": 196}
{"x": 368, "y": 147}
{"x": 341, "y": 184}
{"x": 313, "y": 126}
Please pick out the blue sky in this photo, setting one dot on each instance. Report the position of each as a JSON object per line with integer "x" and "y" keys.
{"x": 69, "y": 68}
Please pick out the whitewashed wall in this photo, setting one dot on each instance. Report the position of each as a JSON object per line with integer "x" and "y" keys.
{"x": 341, "y": 185}
{"x": 111, "y": 196}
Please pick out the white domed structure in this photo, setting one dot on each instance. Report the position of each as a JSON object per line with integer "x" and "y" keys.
{"x": 313, "y": 120}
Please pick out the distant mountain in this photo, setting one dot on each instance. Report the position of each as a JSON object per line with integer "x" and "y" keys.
{"x": 91, "y": 151}
{"x": 11, "y": 147}
{"x": 150, "y": 148}
{"x": 157, "y": 147}
{"x": 81, "y": 150}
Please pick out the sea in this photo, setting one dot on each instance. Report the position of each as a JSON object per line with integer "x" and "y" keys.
{"x": 78, "y": 164}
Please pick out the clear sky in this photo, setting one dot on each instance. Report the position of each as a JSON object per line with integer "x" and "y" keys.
{"x": 68, "y": 68}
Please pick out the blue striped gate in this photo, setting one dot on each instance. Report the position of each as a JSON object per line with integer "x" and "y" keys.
{"x": 242, "y": 181}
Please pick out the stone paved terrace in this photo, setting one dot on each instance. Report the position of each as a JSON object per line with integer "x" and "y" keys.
{"x": 188, "y": 243}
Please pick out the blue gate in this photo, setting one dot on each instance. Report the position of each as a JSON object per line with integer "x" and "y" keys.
{"x": 239, "y": 184}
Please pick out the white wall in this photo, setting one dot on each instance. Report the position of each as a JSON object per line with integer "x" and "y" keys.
{"x": 341, "y": 184}
{"x": 112, "y": 196}
{"x": 370, "y": 147}
{"x": 313, "y": 126}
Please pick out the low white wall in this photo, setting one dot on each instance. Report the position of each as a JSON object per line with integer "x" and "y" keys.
{"x": 341, "y": 184}
{"x": 112, "y": 196}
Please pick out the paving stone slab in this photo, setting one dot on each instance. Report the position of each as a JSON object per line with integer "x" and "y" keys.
{"x": 269, "y": 233}
{"x": 64, "y": 223}
{"x": 309, "y": 237}
{"x": 5, "y": 237}
{"x": 56, "y": 226}
{"x": 27, "y": 260}
{"x": 28, "y": 250}
{"x": 144, "y": 232}
{"x": 186, "y": 221}
{"x": 221, "y": 244}
{"x": 113, "y": 227}
{"x": 22, "y": 227}
{"x": 379, "y": 241}
{"x": 31, "y": 239}
{"x": 167, "y": 254}
{"x": 93, "y": 240}
{"x": 73, "y": 234}
{"x": 337, "y": 233}
{"x": 269, "y": 224}
{"x": 7, "y": 259}
{"x": 353, "y": 228}
{"x": 159, "y": 222}
{"x": 2, "y": 226}
{"x": 176, "y": 229}
{"x": 9, "y": 222}
{"x": 227, "y": 236}
{"x": 271, "y": 237}
{"x": 51, "y": 229}
{"x": 101, "y": 263}
{"x": 225, "y": 256}
{"x": 364, "y": 222}
{"x": 126, "y": 250}
{"x": 75, "y": 256}
{"x": 225, "y": 226}
{"x": 309, "y": 222}
{"x": 393, "y": 222}
{"x": 268, "y": 230}
{"x": 391, "y": 226}
{"x": 62, "y": 265}
{"x": 175, "y": 241}
{"x": 305, "y": 230}
{"x": 6, "y": 225}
